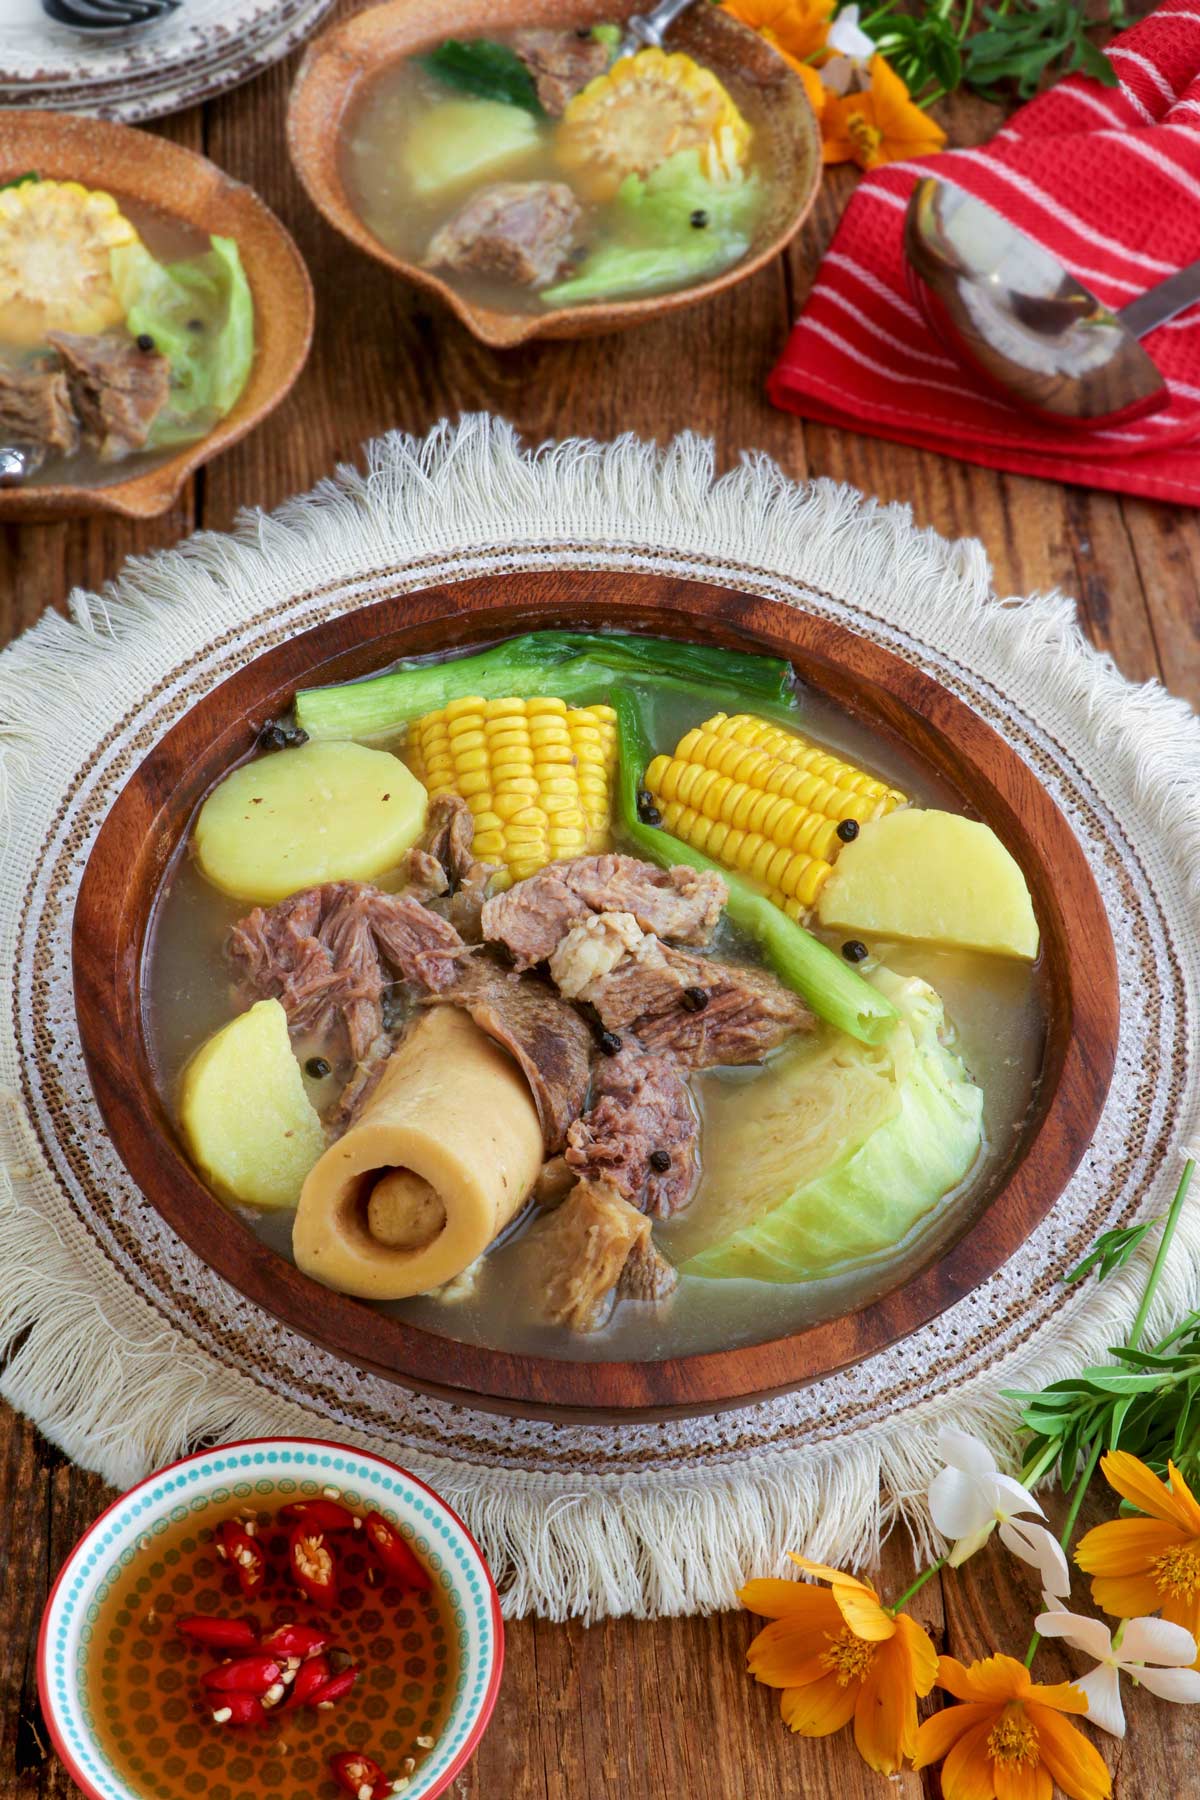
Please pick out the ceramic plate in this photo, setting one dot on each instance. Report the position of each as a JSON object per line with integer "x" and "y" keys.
{"x": 203, "y": 49}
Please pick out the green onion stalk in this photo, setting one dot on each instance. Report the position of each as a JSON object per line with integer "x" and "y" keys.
{"x": 834, "y": 991}
{"x": 573, "y": 666}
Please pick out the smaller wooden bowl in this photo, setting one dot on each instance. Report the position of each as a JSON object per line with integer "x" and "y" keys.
{"x": 338, "y": 65}
{"x": 139, "y": 166}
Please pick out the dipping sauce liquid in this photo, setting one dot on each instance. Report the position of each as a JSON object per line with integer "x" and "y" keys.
{"x": 153, "y": 1717}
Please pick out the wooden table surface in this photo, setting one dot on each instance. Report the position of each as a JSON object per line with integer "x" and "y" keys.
{"x": 623, "y": 1708}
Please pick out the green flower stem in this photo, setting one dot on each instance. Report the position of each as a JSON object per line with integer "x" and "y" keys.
{"x": 1081, "y": 1488}
{"x": 927, "y": 1575}
{"x": 1164, "y": 1245}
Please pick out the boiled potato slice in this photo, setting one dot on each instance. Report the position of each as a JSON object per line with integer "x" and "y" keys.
{"x": 248, "y": 1122}
{"x": 935, "y": 877}
{"x": 325, "y": 812}
{"x": 463, "y": 141}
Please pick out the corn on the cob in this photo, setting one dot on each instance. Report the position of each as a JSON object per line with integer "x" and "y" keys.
{"x": 759, "y": 798}
{"x": 537, "y": 775}
{"x": 55, "y": 239}
{"x": 644, "y": 109}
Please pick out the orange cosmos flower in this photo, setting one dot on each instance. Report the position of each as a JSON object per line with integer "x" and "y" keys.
{"x": 796, "y": 28}
{"x": 1009, "y": 1741}
{"x": 1150, "y": 1564}
{"x": 879, "y": 125}
{"x": 839, "y": 1654}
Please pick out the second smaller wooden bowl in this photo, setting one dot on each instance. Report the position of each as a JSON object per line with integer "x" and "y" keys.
{"x": 139, "y": 166}
{"x": 339, "y": 65}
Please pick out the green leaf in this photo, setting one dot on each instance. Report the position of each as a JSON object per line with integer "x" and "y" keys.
{"x": 1111, "y": 1251}
{"x": 489, "y": 70}
{"x": 1093, "y": 62}
{"x": 20, "y": 180}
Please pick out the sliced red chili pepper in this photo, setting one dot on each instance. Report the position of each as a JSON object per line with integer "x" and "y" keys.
{"x": 247, "y": 1675}
{"x": 314, "y": 1569}
{"x": 238, "y": 1710}
{"x": 296, "y": 1640}
{"x": 218, "y": 1634}
{"x": 239, "y": 1549}
{"x": 395, "y": 1555}
{"x": 356, "y": 1774}
{"x": 310, "y": 1676}
{"x": 322, "y": 1515}
{"x": 336, "y": 1688}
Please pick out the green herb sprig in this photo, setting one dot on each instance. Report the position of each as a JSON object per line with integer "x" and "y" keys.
{"x": 1146, "y": 1400}
{"x": 1007, "y": 51}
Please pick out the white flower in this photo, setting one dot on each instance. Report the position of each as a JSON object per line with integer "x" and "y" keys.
{"x": 847, "y": 37}
{"x": 970, "y": 1498}
{"x": 847, "y": 68}
{"x": 1136, "y": 1641}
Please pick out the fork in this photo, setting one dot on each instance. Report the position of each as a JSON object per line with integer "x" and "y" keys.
{"x": 107, "y": 15}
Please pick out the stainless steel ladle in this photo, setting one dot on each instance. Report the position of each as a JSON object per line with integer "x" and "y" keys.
{"x": 1014, "y": 315}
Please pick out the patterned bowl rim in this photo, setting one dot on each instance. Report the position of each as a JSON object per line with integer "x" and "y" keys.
{"x": 487, "y": 1650}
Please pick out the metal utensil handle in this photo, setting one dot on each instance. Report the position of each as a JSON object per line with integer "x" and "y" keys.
{"x": 648, "y": 28}
{"x": 1162, "y": 302}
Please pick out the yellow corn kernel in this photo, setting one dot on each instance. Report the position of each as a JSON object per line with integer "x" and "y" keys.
{"x": 760, "y": 798}
{"x": 537, "y": 774}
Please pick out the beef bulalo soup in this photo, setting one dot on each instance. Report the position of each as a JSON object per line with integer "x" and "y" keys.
{"x": 543, "y": 169}
{"x": 594, "y": 995}
{"x": 123, "y": 333}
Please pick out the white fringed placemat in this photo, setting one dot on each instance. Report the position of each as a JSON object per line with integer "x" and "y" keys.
{"x": 124, "y": 1347}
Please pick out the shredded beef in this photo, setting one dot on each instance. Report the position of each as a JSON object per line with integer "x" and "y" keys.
{"x": 533, "y": 916}
{"x": 521, "y": 230}
{"x": 647, "y": 1274}
{"x": 424, "y": 876}
{"x": 640, "y": 1105}
{"x": 328, "y": 953}
{"x": 545, "y": 1035}
{"x": 464, "y": 908}
{"x": 449, "y": 834}
{"x": 583, "y": 1248}
{"x": 36, "y": 414}
{"x": 592, "y": 947}
{"x": 654, "y": 993}
{"x": 561, "y": 62}
{"x": 117, "y": 390}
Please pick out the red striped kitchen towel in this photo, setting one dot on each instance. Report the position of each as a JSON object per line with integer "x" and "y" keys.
{"x": 1109, "y": 179}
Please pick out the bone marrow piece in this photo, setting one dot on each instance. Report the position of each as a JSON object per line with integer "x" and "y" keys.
{"x": 521, "y": 230}
{"x": 441, "y": 1158}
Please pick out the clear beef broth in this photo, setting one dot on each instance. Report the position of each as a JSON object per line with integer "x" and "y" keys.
{"x": 994, "y": 1006}
{"x": 170, "y": 240}
{"x": 405, "y": 222}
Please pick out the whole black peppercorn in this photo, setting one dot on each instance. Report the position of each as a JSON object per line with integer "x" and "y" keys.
{"x": 271, "y": 735}
{"x": 660, "y": 1161}
{"x": 609, "y": 1042}
{"x": 647, "y": 812}
{"x": 317, "y": 1067}
{"x": 699, "y": 219}
{"x": 848, "y": 830}
{"x": 694, "y": 999}
{"x": 855, "y": 951}
{"x": 145, "y": 341}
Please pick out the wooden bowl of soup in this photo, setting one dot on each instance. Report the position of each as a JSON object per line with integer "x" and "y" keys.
{"x": 397, "y": 161}
{"x": 125, "y": 415}
{"x": 1031, "y": 1042}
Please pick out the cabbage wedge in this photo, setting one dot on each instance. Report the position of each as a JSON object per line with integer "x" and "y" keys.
{"x": 896, "y": 1127}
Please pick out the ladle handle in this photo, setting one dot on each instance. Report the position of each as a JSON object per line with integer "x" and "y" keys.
{"x": 1161, "y": 303}
{"x": 648, "y": 28}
